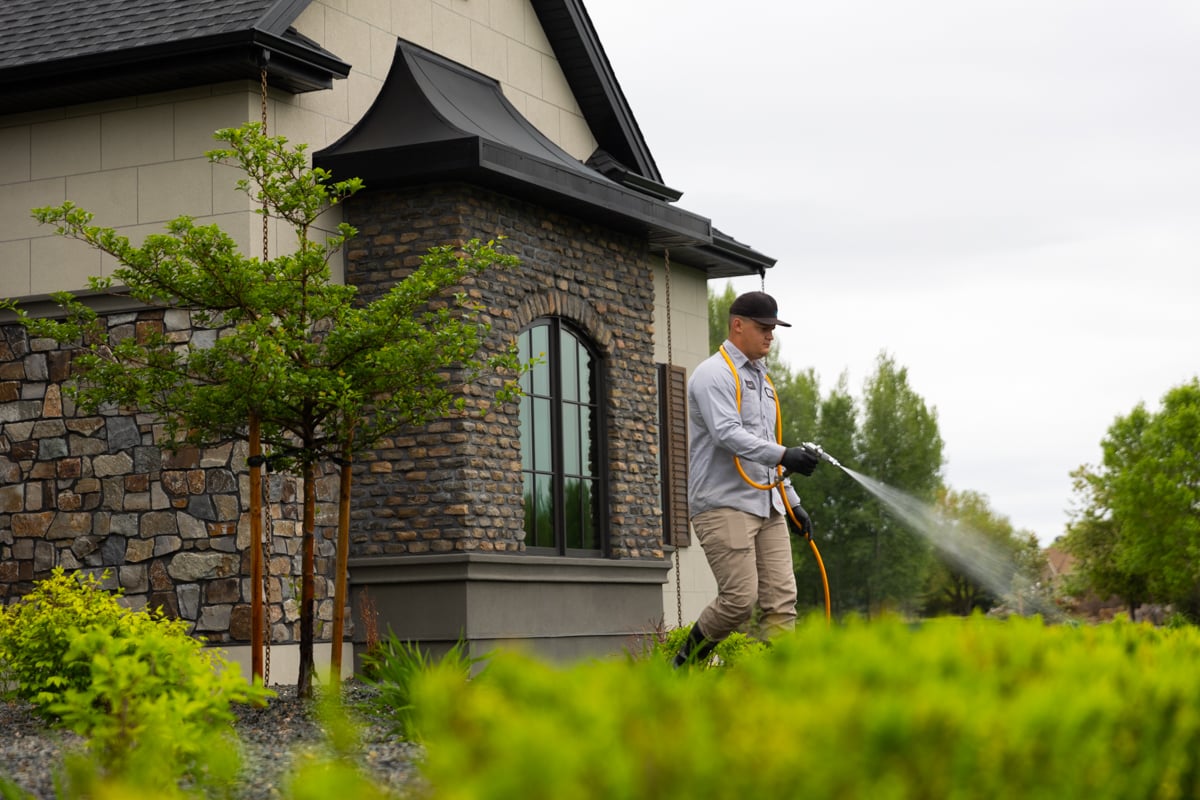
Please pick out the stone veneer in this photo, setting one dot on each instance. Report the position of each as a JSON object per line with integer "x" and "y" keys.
{"x": 98, "y": 493}
{"x": 456, "y": 486}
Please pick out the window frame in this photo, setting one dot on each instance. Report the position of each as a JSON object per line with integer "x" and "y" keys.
{"x": 558, "y": 329}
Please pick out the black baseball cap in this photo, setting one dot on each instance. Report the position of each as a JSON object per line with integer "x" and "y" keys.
{"x": 758, "y": 306}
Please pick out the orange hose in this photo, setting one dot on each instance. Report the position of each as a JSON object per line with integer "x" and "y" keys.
{"x": 737, "y": 387}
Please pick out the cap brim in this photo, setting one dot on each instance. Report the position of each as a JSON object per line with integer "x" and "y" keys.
{"x": 771, "y": 321}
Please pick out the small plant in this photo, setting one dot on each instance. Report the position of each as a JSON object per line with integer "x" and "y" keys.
{"x": 152, "y": 704}
{"x": 733, "y": 649}
{"x": 393, "y": 667}
{"x": 36, "y": 633}
{"x": 157, "y": 705}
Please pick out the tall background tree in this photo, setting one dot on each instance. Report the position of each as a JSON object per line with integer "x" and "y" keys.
{"x": 1136, "y": 532}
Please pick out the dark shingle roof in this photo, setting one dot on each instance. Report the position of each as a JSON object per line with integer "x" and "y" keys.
{"x": 56, "y": 52}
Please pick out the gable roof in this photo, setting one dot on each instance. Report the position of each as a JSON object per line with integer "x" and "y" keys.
{"x": 60, "y": 52}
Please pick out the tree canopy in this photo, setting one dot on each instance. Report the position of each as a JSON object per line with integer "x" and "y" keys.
{"x": 1136, "y": 531}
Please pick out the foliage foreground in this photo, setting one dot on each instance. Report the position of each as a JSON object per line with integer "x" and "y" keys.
{"x": 951, "y": 708}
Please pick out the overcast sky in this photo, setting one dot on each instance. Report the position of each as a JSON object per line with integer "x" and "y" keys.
{"x": 1002, "y": 195}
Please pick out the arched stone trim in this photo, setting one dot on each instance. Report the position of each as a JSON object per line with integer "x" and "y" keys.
{"x": 555, "y": 303}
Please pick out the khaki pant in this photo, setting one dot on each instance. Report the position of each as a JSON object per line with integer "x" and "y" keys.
{"x": 751, "y": 558}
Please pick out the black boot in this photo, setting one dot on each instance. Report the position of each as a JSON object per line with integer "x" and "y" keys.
{"x": 696, "y": 648}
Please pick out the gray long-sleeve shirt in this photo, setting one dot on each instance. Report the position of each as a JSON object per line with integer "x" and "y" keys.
{"x": 717, "y": 433}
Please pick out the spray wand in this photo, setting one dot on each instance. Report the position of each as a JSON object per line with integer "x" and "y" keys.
{"x": 818, "y": 451}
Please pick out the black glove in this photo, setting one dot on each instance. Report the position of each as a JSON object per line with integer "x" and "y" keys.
{"x": 800, "y": 459}
{"x": 805, "y": 521}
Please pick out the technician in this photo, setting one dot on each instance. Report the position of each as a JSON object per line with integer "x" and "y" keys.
{"x": 742, "y": 528}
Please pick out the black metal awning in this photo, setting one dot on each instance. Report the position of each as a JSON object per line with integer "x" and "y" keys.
{"x": 436, "y": 120}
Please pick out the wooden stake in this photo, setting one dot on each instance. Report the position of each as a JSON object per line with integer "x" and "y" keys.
{"x": 257, "y": 623}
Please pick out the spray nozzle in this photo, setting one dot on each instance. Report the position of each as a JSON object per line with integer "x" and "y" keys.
{"x": 816, "y": 449}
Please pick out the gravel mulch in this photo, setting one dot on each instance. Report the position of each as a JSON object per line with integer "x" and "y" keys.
{"x": 271, "y": 736}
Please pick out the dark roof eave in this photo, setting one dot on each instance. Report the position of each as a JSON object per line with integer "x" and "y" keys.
{"x": 724, "y": 258}
{"x": 292, "y": 66}
{"x": 504, "y": 169}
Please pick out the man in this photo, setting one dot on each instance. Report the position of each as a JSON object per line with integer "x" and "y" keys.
{"x": 742, "y": 528}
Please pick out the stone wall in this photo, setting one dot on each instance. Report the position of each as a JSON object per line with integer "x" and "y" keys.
{"x": 97, "y": 492}
{"x": 456, "y": 486}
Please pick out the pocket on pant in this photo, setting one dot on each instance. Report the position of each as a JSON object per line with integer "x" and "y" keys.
{"x": 723, "y": 529}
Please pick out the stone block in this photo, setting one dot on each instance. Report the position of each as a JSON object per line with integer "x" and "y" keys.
{"x": 139, "y": 550}
{"x": 165, "y": 545}
{"x": 214, "y": 618}
{"x": 43, "y": 557}
{"x": 123, "y": 434}
{"x": 112, "y": 550}
{"x": 50, "y": 449}
{"x": 147, "y": 459}
{"x": 201, "y": 506}
{"x": 12, "y": 499}
{"x": 189, "y": 600}
{"x": 32, "y": 525}
{"x": 84, "y": 546}
{"x": 157, "y": 523}
{"x": 190, "y": 566}
{"x": 126, "y": 524}
{"x": 110, "y": 465}
{"x": 160, "y": 581}
{"x": 190, "y": 527}
{"x": 225, "y": 590}
{"x": 134, "y": 578}
{"x": 240, "y": 623}
{"x": 166, "y": 602}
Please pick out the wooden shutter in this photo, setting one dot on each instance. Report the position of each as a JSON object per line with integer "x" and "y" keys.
{"x": 673, "y": 453}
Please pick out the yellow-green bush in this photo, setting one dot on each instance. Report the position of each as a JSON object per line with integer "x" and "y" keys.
{"x": 952, "y": 708}
{"x": 152, "y": 704}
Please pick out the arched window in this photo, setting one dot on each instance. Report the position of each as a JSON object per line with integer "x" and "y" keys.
{"x": 562, "y": 442}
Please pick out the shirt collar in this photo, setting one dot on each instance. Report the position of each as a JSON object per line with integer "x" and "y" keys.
{"x": 740, "y": 360}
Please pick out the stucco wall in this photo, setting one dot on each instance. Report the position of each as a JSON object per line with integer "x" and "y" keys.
{"x": 690, "y": 588}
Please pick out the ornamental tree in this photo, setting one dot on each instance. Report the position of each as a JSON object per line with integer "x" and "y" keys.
{"x": 323, "y": 374}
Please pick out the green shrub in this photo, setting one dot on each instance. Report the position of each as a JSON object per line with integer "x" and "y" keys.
{"x": 157, "y": 705}
{"x": 970, "y": 708}
{"x": 152, "y": 704}
{"x": 393, "y": 667}
{"x": 36, "y": 631}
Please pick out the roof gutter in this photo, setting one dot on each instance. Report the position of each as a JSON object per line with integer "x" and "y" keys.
{"x": 294, "y": 67}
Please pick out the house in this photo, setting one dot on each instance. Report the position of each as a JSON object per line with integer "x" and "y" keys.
{"x": 555, "y": 524}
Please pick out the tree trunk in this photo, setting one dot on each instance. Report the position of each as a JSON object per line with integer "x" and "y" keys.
{"x": 304, "y": 680}
{"x": 339, "y": 581}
